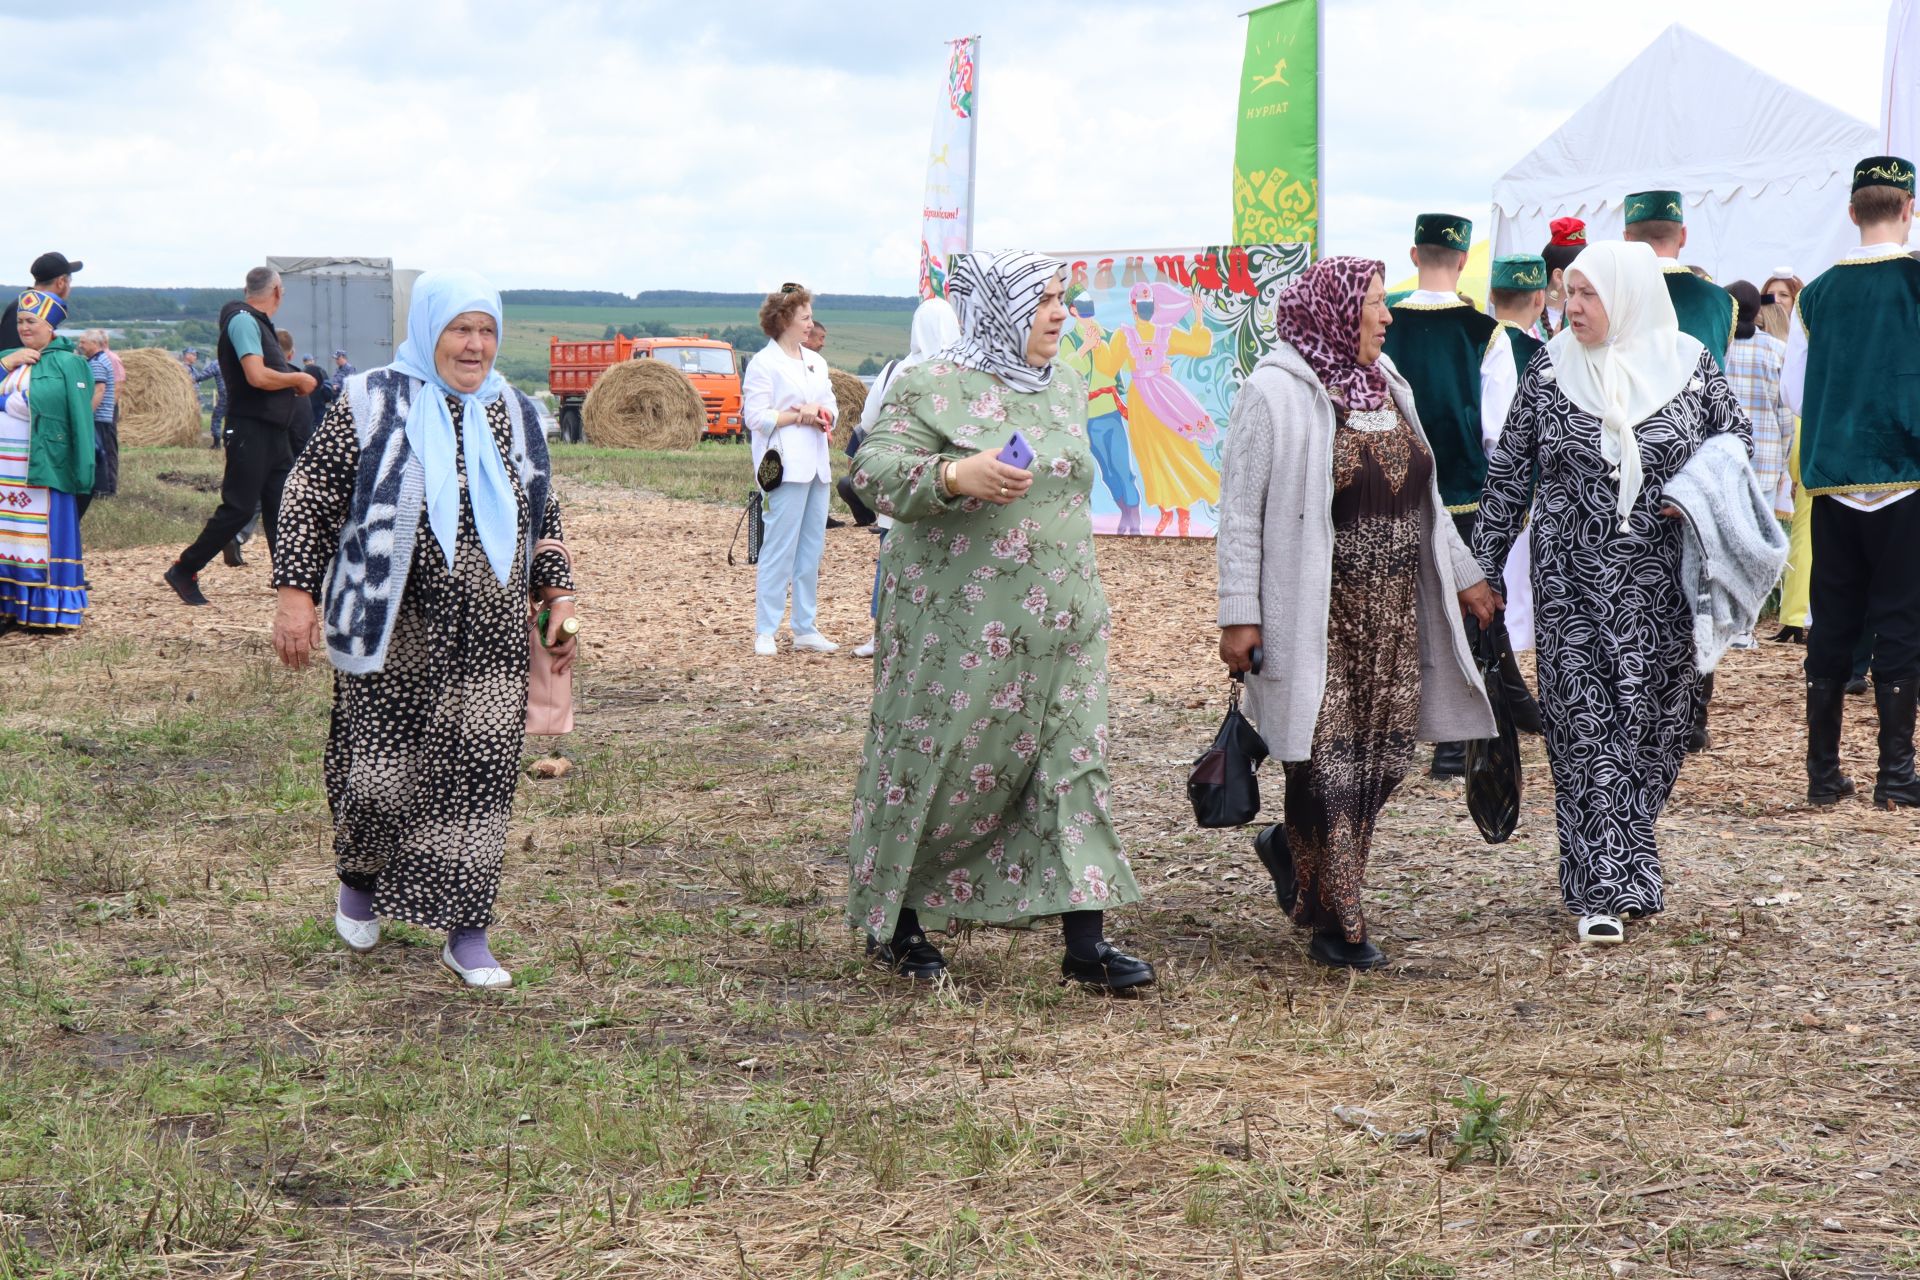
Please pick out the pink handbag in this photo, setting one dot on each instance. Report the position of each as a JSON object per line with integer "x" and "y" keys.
{"x": 549, "y": 692}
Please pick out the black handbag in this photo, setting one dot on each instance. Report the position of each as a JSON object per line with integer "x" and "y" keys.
{"x": 1494, "y": 779}
{"x": 770, "y": 471}
{"x": 1224, "y": 786}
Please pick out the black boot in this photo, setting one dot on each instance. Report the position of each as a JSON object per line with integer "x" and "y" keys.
{"x": 1111, "y": 970}
{"x": 1826, "y": 709}
{"x": 1520, "y": 703}
{"x": 1895, "y": 786}
{"x": 1698, "y": 739}
{"x": 1449, "y": 760}
{"x": 1331, "y": 948}
{"x": 1277, "y": 857}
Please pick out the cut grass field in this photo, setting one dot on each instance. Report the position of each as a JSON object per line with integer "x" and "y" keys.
{"x": 695, "y": 1074}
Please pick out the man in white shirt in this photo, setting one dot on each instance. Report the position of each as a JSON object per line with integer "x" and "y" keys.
{"x": 1853, "y": 375}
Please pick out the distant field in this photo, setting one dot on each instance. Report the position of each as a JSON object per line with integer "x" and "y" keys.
{"x": 852, "y": 336}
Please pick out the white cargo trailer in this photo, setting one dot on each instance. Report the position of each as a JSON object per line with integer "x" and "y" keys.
{"x": 358, "y": 305}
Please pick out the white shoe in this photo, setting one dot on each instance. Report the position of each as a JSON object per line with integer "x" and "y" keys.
{"x": 865, "y": 650}
{"x": 814, "y": 642}
{"x": 763, "y": 647}
{"x": 485, "y": 976}
{"x": 1602, "y": 928}
{"x": 361, "y": 936}
{"x": 1744, "y": 640}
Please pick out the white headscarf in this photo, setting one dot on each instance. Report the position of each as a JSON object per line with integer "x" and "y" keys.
{"x": 1644, "y": 362}
{"x": 997, "y": 300}
{"x": 935, "y": 328}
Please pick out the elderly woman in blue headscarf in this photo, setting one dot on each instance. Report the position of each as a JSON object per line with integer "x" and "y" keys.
{"x": 421, "y": 515}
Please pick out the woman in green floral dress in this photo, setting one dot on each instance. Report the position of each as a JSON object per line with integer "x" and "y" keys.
{"x": 983, "y": 792}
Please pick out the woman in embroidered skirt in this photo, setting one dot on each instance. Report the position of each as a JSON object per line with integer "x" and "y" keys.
{"x": 983, "y": 792}
{"x": 1337, "y": 558}
{"x": 427, "y": 488}
{"x": 46, "y": 461}
{"x": 1623, "y": 402}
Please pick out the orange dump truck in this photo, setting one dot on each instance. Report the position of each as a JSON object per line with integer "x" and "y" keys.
{"x": 573, "y": 368}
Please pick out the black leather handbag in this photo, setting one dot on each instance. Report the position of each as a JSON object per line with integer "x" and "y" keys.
{"x": 1494, "y": 779}
{"x": 1224, "y": 786}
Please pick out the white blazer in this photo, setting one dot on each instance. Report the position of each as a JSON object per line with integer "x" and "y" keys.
{"x": 775, "y": 381}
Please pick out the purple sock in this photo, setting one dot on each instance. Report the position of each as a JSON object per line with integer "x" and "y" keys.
{"x": 356, "y": 904}
{"x": 469, "y": 947}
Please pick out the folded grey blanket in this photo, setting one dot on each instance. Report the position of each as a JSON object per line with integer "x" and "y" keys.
{"x": 1733, "y": 551}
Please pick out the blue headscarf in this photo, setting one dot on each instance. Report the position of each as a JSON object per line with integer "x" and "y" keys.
{"x": 439, "y": 297}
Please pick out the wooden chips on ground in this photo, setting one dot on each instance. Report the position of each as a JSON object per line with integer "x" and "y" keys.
{"x": 158, "y": 405}
{"x": 644, "y": 404}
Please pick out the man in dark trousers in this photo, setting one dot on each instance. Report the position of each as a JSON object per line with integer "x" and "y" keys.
{"x": 263, "y": 393}
{"x": 1852, "y": 369}
{"x": 53, "y": 274}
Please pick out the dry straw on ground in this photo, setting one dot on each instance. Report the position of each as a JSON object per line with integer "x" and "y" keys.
{"x": 643, "y": 404}
{"x": 157, "y": 405}
{"x": 851, "y": 393}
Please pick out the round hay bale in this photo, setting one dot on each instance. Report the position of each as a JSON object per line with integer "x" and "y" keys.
{"x": 158, "y": 405}
{"x": 851, "y": 393}
{"x": 644, "y": 404}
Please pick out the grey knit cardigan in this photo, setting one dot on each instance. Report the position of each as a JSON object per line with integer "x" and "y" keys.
{"x": 1274, "y": 550}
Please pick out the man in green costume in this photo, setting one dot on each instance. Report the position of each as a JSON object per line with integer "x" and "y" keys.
{"x": 1853, "y": 375}
{"x": 1707, "y": 312}
{"x": 1460, "y": 366}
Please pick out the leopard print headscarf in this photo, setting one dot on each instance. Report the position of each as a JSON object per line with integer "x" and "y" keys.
{"x": 1319, "y": 316}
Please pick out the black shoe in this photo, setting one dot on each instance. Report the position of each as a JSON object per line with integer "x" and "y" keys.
{"x": 910, "y": 957}
{"x": 232, "y": 555}
{"x": 1856, "y": 686}
{"x": 1791, "y": 635}
{"x": 1277, "y": 857}
{"x": 1334, "y": 951}
{"x": 1110, "y": 970}
{"x": 185, "y": 585}
{"x": 835, "y": 524}
{"x": 1449, "y": 760}
{"x": 1826, "y": 710}
{"x": 1895, "y": 787}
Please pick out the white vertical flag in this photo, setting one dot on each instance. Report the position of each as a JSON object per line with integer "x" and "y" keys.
{"x": 946, "y": 219}
{"x": 1900, "y": 88}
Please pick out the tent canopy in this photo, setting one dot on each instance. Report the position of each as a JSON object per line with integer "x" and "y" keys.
{"x": 1764, "y": 168}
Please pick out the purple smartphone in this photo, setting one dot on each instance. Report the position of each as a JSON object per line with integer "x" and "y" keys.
{"x": 1018, "y": 452}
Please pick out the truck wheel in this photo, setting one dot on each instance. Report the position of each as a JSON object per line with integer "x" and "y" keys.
{"x": 570, "y": 428}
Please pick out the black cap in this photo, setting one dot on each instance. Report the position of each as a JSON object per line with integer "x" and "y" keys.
{"x": 51, "y": 266}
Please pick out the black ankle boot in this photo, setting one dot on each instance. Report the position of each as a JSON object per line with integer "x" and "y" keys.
{"x": 1331, "y": 948}
{"x": 1698, "y": 739}
{"x": 1111, "y": 970}
{"x": 1895, "y": 786}
{"x": 1277, "y": 857}
{"x": 910, "y": 956}
{"x": 1826, "y": 709}
{"x": 1449, "y": 760}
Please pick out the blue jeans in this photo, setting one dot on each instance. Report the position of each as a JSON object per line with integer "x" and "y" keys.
{"x": 796, "y": 520}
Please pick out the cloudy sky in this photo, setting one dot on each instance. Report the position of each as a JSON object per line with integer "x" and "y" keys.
{"x": 720, "y": 145}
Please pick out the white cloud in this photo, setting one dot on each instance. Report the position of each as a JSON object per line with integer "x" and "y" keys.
{"x": 595, "y": 144}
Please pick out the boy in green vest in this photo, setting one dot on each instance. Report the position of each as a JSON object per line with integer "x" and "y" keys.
{"x": 1706, "y": 311}
{"x": 1517, "y": 290}
{"x": 1853, "y": 375}
{"x": 1460, "y": 366}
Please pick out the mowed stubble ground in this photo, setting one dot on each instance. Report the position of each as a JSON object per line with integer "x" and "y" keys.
{"x": 696, "y": 1075}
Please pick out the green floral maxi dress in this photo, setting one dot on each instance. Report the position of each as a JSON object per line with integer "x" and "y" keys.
{"x": 983, "y": 787}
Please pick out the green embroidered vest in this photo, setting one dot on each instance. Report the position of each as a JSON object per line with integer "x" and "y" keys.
{"x": 1438, "y": 351}
{"x": 1524, "y": 345}
{"x": 1706, "y": 310}
{"x": 1860, "y": 412}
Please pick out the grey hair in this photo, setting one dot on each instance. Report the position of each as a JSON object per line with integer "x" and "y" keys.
{"x": 95, "y": 335}
{"x": 260, "y": 281}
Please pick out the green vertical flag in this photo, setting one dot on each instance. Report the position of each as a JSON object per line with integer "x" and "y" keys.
{"x": 1276, "y": 150}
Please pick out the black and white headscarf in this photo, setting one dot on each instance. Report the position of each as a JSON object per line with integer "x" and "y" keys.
{"x": 997, "y": 299}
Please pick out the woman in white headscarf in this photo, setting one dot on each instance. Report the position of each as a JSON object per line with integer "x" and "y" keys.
{"x": 422, "y": 513}
{"x": 1621, "y": 405}
{"x": 935, "y": 328}
{"x": 983, "y": 788}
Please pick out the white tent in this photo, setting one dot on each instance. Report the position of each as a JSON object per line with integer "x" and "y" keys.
{"x": 1764, "y": 168}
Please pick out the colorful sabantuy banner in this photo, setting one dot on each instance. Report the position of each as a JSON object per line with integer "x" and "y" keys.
{"x": 1163, "y": 341}
{"x": 1276, "y": 149}
{"x": 946, "y": 220}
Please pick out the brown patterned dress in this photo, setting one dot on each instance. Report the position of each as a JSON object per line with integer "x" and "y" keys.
{"x": 1364, "y": 738}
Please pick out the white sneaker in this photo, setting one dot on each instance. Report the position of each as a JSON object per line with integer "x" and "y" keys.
{"x": 361, "y": 936}
{"x": 484, "y": 976}
{"x": 1601, "y": 928}
{"x": 763, "y": 647}
{"x": 1744, "y": 640}
{"x": 865, "y": 650}
{"x": 814, "y": 642}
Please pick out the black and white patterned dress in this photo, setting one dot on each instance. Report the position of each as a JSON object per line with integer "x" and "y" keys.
{"x": 1615, "y": 632}
{"x": 423, "y": 757}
